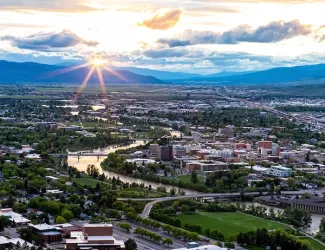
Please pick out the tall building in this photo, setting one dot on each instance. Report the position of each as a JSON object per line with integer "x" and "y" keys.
{"x": 166, "y": 153}
{"x": 94, "y": 236}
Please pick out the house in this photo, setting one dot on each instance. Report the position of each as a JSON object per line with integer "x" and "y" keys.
{"x": 94, "y": 236}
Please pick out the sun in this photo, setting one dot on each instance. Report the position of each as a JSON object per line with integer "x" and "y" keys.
{"x": 98, "y": 62}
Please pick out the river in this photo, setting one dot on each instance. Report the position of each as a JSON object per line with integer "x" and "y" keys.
{"x": 316, "y": 218}
{"x": 84, "y": 161}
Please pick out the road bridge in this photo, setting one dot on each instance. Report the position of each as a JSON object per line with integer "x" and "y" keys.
{"x": 146, "y": 211}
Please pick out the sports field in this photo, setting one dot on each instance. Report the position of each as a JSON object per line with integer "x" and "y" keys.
{"x": 229, "y": 222}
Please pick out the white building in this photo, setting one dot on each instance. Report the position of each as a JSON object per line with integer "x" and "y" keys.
{"x": 279, "y": 171}
{"x": 141, "y": 162}
{"x": 18, "y": 219}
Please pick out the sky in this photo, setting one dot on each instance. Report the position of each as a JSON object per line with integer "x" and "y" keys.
{"x": 196, "y": 36}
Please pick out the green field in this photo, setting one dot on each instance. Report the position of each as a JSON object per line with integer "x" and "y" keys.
{"x": 187, "y": 179}
{"x": 88, "y": 181}
{"x": 315, "y": 244}
{"x": 227, "y": 223}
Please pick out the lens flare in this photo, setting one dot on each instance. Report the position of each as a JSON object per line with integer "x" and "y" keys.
{"x": 115, "y": 73}
{"x": 102, "y": 84}
{"x": 98, "y": 62}
{"x": 84, "y": 83}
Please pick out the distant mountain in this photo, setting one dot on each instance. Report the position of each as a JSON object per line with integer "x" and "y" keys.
{"x": 12, "y": 72}
{"x": 228, "y": 73}
{"x": 275, "y": 75}
{"x": 163, "y": 75}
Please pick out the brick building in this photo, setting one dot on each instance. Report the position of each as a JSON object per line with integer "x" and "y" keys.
{"x": 94, "y": 236}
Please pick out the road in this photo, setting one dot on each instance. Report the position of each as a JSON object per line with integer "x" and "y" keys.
{"x": 147, "y": 208}
{"x": 143, "y": 243}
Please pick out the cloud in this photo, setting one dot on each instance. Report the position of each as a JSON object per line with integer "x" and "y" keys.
{"x": 48, "y": 41}
{"x": 46, "y": 5}
{"x": 163, "y": 21}
{"x": 270, "y": 33}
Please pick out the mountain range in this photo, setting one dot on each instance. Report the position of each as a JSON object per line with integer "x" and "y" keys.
{"x": 13, "y": 72}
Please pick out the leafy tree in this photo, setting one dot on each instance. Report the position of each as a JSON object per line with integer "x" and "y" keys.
{"x": 322, "y": 225}
{"x": 130, "y": 244}
{"x": 168, "y": 242}
{"x": 66, "y": 214}
{"x": 194, "y": 178}
{"x": 60, "y": 220}
{"x": 4, "y": 221}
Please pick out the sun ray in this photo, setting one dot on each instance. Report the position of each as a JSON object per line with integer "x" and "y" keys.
{"x": 84, "y": 83}
{"x": 65, "y": 70}
{"x": 102, "y": 84}
{"x": 115, "y": 73}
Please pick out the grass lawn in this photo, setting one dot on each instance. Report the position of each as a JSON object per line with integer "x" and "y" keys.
{"x": 187, "y": 179}
{"x": 88, "y": 181}
{"x": 227, "y": 223}
{"x": 315, "y": 244}
{"x": 141, "y": 191}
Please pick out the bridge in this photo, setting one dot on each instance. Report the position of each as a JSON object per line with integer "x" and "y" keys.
{"x": 146, "y": 211}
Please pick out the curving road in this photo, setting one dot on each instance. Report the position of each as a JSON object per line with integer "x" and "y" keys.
{"x": 146, "y": 211}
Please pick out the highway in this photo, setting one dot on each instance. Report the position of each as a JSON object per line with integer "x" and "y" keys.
{"x": 146, "y": 211}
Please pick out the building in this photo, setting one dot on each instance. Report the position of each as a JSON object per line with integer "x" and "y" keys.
{"x": 50, "y": 234}
{"x": 206, "y": 247}
{"x": 141, "y": 162}
{"x": 94, "y": 236}
{"x": 265, "y": 144}
{"x": 313, "y": 205}
{"x": 9, "y": 243}
{"x": 166, "y": 153}
{"x": 205, "y": 166}
{"x": 179, "y": 151}
{"x": 279, "y": 171}
{"x": 155, "y": 151}
{"x": 228, "y": 131}
{"x": 16, "y": 218}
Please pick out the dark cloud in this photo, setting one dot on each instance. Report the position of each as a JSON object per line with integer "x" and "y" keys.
{"x": 270, "y": 33}
{"x": 163, "y": 21}
{"x": 48, "y": 41}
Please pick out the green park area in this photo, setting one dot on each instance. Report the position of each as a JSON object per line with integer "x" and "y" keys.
{"x": 229, "y": 223}
{"x": 187, "y": 179}
{"x": 134, "y": 192}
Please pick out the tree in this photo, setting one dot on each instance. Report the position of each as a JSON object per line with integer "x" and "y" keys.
{"x": 231, "y": 237}
{"x": 4, "y": 221}
{"x": 25, "y": 234}
{"x": 124, "y": 226}
{"x": 168, "y": 242}
{"x": 130, "y": 244}
{"x": 322, "y": 225}
{"x": 194, "y": 178}
{"x": 60, "y": 220}
{"x": 185, "y": 209}
{"x": 67, "y": 214}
